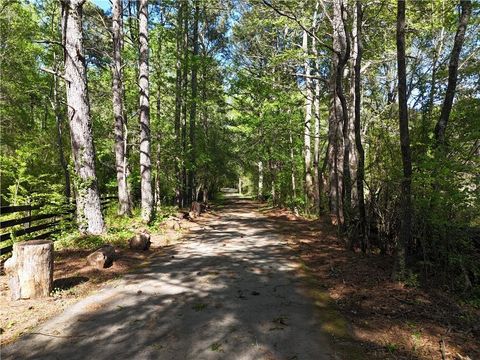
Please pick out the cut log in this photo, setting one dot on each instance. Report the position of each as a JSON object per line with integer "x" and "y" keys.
{"x": 30, "y": 269}
{"x": 196, "y": 209}
{"x": 141, "y": 241}
{"x": 102, "y": 258}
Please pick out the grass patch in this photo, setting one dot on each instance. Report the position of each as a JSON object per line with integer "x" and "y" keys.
{"x": 216, "y": 346}
{"x": 199, "y": 307}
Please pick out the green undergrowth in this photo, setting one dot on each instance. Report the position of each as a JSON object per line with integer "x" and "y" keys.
{"x": 119, "y": 230}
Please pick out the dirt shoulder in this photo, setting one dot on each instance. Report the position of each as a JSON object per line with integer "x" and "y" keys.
{"x": 74, "y": 280}
{"x": 385, "y": 319}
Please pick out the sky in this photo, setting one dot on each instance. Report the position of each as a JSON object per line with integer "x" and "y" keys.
{"x": 104, "y": 4}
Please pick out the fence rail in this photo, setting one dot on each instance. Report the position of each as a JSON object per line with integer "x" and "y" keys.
{"x": 58, "y": 218}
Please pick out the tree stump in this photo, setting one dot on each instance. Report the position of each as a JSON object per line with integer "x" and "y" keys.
{"x": 30, "y": 269}
{"x": 196, "y": 208}
{"x": 102, "y": 258}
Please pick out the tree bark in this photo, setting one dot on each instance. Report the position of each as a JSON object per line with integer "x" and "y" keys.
{"x": 316, "y": 126}
{"x": 193, "y": 106}
{"x": 260, "y": 180}
{"x": 353, "y": 154}
{"x": 178, "y": 103}
{"x": 307, "y": 147}
{"x": 58, "y": 122}
{"x": 360, "y": 176}
{"x": 89, "y": 214}
{"x": 406, "y": 201}
{"x": 292, "y": 160}
{"x": 440, "y": 128}
{"x": 124, "y": 205}
{"x": 145, "y": 156}
{"x": 337, "y": 119}
{"x": 343, "y": 57}
{"x": 185, "y": 192}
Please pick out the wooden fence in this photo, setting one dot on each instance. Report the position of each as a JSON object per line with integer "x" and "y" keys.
{"x": 37, "y": 226}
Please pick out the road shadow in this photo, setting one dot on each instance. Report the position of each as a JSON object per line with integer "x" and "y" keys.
{"x": 231, "y": 290}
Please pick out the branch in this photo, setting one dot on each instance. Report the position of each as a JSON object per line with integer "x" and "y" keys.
{"x": 53, "y": 72}
{"x": 294, "y": 18}
{"x": 45, "y": 41}
{"x": 316, "y": 77}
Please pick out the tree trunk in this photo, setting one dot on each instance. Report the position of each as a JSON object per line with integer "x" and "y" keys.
{"x": 353, "y": 154}
{"x": 178, "y": 103}
{"x": 89, "y": 214}
{"x": 260, "y": 180}
{"x": 316, "y": 130}
{"x": 145, "y": 156}
{"x": 441, "y": 126}
{"x": 292, "y": 160}
{"x": 30, "y": 269}
{"x": 307, "y": 151}
{"x": 193, "y": 106}
{"x": 124, "y": 205}
{"x": 343, "y": 56}
{"x": 185, "y": 192}
{"x": 58, "y": 123}
{"x": 157, "y": 177}
{"x": 360, "y": 176}
{"x": 406, "y": 202}
{"x": 336, "y": 119}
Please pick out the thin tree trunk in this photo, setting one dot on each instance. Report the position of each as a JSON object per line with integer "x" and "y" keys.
{"x": 260, "y": 180}
{"x": 358, "y": 138}
{"x": 353, "y": 154}
{"x": 178, "y": 103}
{"x": 406, "y": 201}
{"x": 337, "y": 118}
{"x": 145, "y": 156}
{"x": 343, "y": 56}
{"x": 185, "y": 192}
{"x": 58, "y": 123}
{"x": 157, "y": 176}
{"x": 193, "y": 106}
{"x": 316, "y": 147}
{"x": 440, "y": 128}
{"x": 292, "y": 160}
{"x": 89, "y": 214}
{"x": 124, "y": 206}
{"x": 307, "y": 150}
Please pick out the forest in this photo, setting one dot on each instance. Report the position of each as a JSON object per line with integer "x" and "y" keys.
{"x": 361, "y": 114}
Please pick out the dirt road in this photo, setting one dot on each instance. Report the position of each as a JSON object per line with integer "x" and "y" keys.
{"x": 229, "y": 291}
